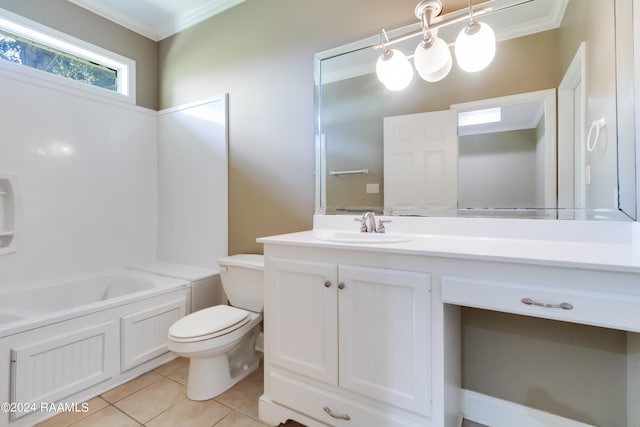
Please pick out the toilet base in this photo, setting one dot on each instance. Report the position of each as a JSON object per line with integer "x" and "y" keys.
{"x": 210, "y": 377}
{"x": 213, "y": 375}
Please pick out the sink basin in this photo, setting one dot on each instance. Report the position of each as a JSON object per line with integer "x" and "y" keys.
{"x": 358, "y": 237}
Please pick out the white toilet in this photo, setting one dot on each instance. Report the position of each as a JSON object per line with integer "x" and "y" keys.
{"x": 220, "y": 341}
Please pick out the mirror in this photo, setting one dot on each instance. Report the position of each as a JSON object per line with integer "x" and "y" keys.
{"x": 562, "y": 78}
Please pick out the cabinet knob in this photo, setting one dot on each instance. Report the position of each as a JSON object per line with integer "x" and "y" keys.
{"x": 327, "y": 283}
{"x": 336, "y": 416}
{"x": 341, "y": 285}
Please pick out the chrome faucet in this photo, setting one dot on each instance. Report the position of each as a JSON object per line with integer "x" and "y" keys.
{"x": 368, "y": 223}
{"x": 369, "y": 220}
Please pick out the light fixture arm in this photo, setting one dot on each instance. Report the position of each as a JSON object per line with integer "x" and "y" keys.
{"x": 451, "y": 18}
{"x": 470, "y": 13}
{"x": 425, "y": 11}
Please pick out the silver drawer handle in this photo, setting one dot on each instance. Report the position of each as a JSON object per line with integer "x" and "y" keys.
{"x": 562, "y": 305}
{"x": 338, "y": 416}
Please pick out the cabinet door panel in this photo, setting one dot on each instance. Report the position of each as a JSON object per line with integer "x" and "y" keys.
{"x": 385, "y": 335}
{"x": 304, "y": 317}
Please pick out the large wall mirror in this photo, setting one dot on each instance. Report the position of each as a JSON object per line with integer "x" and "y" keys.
{"x": 562, "y": 82}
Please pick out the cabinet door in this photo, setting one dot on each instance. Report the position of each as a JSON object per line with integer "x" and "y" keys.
{"x": 302, "y": 319}
{"x": 385, "y": 335}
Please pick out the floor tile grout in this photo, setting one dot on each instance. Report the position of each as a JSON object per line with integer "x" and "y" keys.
{"x": 236, "y": 406}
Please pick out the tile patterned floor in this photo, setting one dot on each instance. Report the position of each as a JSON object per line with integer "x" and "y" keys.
{"x": 158, "y": 399}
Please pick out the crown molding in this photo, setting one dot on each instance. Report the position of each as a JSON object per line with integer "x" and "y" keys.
{"x": 159, "y": 28}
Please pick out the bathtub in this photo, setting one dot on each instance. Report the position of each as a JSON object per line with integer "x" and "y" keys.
{"x": 63, "y": 343}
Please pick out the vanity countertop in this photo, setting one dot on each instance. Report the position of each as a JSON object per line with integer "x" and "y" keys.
{"x": 609, "y": 247}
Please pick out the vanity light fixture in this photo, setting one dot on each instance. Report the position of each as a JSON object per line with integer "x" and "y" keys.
{"x": 475, "y": 48}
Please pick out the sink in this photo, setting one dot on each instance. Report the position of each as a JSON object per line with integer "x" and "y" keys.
{"x": 358, "y": 237}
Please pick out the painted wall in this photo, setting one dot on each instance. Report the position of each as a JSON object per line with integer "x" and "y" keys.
{"x": 496, "y": 170}
{"x": 576, "y": 371}
{"x": 86, "y": 171}
{"x": 261, "y": 53}
{"x": 82, "y": 24}
{"x": 581, "y": 23}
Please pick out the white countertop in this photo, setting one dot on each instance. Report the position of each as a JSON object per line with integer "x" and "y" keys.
{"x": 578, "y": 244}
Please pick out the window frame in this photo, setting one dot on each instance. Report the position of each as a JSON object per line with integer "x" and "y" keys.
{"x": 125, "y": 68}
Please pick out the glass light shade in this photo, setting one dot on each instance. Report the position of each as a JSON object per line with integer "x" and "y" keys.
{"x": 393, "y": 70}
{"x": 475, "y": 47}
{"x": 433, "y": 62}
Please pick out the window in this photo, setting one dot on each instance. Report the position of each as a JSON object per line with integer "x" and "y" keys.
{"x": 40, "y": 48}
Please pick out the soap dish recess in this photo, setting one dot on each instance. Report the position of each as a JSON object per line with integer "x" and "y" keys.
{"x": 8, "y": 213}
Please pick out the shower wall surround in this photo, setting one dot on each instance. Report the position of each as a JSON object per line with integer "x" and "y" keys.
{"x": 86, "y": 170}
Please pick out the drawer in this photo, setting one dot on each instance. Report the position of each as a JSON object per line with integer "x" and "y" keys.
{"x": 317, "y": 403}
{"x": 604, "y": 309}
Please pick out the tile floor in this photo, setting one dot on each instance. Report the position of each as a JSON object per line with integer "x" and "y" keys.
{"x": 158, "y": 399}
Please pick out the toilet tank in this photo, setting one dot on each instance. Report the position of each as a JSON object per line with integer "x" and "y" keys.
{"x": 243, "y": 280}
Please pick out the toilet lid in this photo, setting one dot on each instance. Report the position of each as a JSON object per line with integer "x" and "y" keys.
{"x": 208, "y": 321}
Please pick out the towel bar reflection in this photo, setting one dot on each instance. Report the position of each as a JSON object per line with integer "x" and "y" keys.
{"x": 352, "y": 172}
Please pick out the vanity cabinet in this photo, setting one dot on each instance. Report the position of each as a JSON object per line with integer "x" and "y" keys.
{"x": 348, "y": 343}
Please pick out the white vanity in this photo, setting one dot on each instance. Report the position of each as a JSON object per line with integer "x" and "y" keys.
{"x": 368, "y": 334}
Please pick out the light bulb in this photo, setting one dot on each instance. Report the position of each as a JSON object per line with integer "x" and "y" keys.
{"x": 432, "y": 59}
{"x": 475, "y": 47}
{"x": 393, "y": 70}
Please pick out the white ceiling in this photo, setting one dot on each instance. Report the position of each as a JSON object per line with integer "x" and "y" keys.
{"x": 157, "y": 19}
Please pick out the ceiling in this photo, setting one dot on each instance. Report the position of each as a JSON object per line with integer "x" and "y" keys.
{"x": 156, "y": 19}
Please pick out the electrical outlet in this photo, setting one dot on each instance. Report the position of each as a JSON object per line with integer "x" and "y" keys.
{"x": 373, "y": 188}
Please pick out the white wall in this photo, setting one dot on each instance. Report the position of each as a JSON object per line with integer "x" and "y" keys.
{"x": 86, "y": 169}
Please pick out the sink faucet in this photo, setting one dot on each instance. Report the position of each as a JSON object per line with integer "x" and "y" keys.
{"x": 369, "y": 220}
{"x": 368, "y": 223}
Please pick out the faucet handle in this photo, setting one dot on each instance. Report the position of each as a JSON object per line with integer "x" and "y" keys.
{"x": 381, "y": 222}
{"x": 363, "y": 224}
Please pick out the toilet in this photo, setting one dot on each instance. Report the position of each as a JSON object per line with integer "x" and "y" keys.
{"x": 220, "y": 341}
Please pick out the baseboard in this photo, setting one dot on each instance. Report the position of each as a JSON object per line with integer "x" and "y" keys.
{"x": 494, "y": 412}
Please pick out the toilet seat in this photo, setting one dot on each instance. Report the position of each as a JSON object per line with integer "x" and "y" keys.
{"x": 209, "y": 323}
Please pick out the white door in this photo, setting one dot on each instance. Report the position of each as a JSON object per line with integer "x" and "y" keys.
{"x": 421, "y": 161}
{"x": 385, "y": 335}
{"x": 302, "y": 317}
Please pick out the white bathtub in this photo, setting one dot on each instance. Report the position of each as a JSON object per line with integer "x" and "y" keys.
{"x": 66, "y": 342}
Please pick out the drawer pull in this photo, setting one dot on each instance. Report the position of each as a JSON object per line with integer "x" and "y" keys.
{"x": 327, "y": 283}
{"x": 562, "y": 305}
{"x": 337, "y": 416}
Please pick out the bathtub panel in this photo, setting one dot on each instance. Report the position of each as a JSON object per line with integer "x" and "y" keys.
{"x": 69, "y": 353}
{"x": 59, "y": 366}
{"x": 143, "y": 335}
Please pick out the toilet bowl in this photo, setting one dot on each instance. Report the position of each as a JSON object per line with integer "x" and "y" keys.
{"x": 220, "y": 341}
